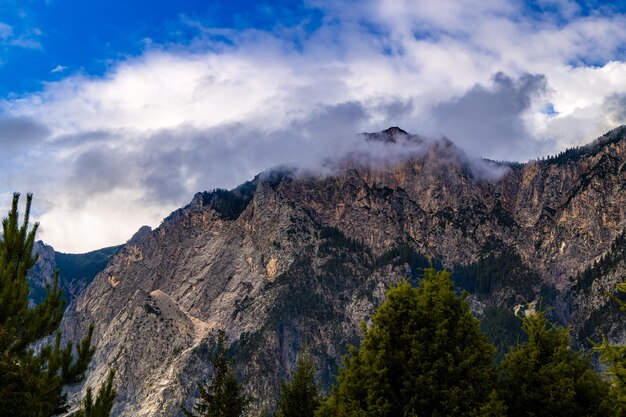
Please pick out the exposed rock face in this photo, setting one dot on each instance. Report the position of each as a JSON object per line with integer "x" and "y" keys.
{"x": 289, "y": 259}
{"x": 41, "y": 275}
{"x": 593, "y": 312}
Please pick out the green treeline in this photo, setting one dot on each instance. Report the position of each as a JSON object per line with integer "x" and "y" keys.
{"x": 230, "y": 203}
{"x": 501, "y": 268}
{"x": 425, "y": 355}
{"x": 578, "y": 152}
{"x": 491, "y": 271}
{"x": 615, "y": 357}
{"x": 406, "y": 255}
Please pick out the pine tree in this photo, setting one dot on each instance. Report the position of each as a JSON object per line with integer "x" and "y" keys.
{"x": 31, "y": 382}
{"x": 494, "y": 407}
{"x": 223, "y": 396}
{"x": 300, "y": 396}
{"x": 545, "y": 377}
{"x": 614, "y": 357}
{"x": 104, "y": 401}
{"x": 424, "y": 356}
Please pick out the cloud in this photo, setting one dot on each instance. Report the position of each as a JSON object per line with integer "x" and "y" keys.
{"x": 105, "y": 155}
{"x": 162, "y": 169}
{"x": 100, "y": 169}
{"x": 26, "y": 38}
{"x": 489, "y": 121}
{"x": 25, "y": 42}
{"x": 171, "y": 164}
{"x": 58, "y": 68}
{"x": 20, "y": 132}
{"x": 615, "y": 107}
{"x": 5, "y": 30}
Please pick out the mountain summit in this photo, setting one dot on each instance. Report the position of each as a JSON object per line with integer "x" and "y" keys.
{"x": 387, "y": 135}
{"x": 289, "y": 259}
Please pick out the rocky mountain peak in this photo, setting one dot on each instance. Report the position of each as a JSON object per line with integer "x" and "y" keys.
{"x": 141, "y": 234}
{"x": 394, "y": 131}
{"x": 391, "y": 134}
{"x": 289, "y": 259}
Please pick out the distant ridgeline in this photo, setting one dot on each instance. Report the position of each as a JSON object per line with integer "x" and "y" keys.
{"x": 578, "y": 152}
{"x": 76, "y": 271}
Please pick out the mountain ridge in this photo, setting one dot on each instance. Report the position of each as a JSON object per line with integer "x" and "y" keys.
{"x": 306, "y": 257}
{"x": 76, "y": 270}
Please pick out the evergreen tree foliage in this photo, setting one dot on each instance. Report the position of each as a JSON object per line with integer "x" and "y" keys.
{"x": 503, "y": 328}
{"x": 494, "y": 407}
{"x": 495, "y": 270}
{"x": 423, "y": 356}
{"x": 223, "y": 396}
{"x": 230, "y": 204}
{"x": 31, "y": 382}
{"x": 545, "y": 377}
{"x": 615, "y": 358}
{"x": 300, "y": 396}
{"x": 578, "y": 152}
{"x": 104, "y": 400}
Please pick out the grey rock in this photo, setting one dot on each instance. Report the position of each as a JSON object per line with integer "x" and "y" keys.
{"x": 295, "y": 259}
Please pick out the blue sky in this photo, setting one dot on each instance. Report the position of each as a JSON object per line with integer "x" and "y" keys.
{"x": 52, "y": 38}
{"x": 114, "y": 113}
{"x": 89, "y": 36}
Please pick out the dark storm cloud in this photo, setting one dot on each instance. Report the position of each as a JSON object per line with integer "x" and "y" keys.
{"x": 397, "y": 110}
{"x": 170, "y": 165}
{"x": 615, "y": 107}
{"x": 20, "y": 132}
{"x": 488, "y": 120}
{"x": 166, "y": 173}
{"x": 231, "y": 154}
{"x": 84, "y": 138}
{"x": 100, "y": 169}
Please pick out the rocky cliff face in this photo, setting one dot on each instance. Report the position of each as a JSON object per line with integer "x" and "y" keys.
{"x": 41, "y": 275}
{"x": 289, "y": 259}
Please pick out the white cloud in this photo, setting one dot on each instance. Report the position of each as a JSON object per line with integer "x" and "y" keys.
{"x": 178, "y": 119}
{"x": 5, "y": 30}
{"x": 58, "y": 68}
{"x": 98, "y": 223}
{"x": 25, "y": 42}
{"x": 24, "y": 39}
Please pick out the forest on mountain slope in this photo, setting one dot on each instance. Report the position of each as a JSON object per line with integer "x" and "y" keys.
{"x": 423, "y": 355}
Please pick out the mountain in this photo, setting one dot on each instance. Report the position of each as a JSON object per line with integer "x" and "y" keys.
{"x": 293, "y": 258}
{"x": 76, "y": 271}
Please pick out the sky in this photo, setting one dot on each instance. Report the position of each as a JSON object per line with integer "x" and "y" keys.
{"x": 114, "y": 113}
